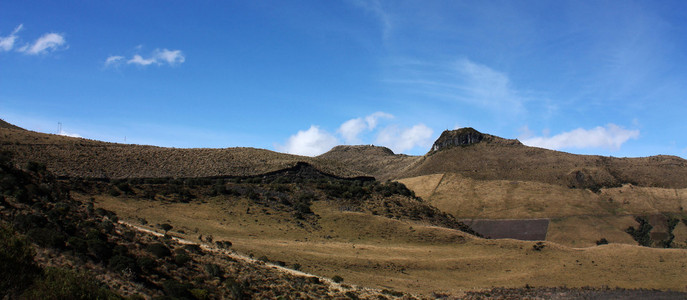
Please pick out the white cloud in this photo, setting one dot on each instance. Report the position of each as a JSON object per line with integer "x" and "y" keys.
{"x": 7, "y": 42}
{"x": 352, "y": 128}
{"x": 64, "y": 133}
{"x": 172, "y": 57}
{"x": 139, "y": 60}
{"x": 610, "y": 137}
{"x": 158, "y": 57}
{"x": 47, "y": 42}
{"x": 400, "y": 140}
{"x": 114, "y": 59}
{"x": 311, "y": 142}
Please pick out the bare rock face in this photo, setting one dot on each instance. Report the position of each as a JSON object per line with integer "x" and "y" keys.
{"x": 460, "y": 137}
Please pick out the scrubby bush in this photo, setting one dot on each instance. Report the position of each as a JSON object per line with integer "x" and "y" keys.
{"x": 159, "y": 250}
{"x": 641, "y": 234}
{"x": 177, "y": 289}
{"x": 17, "y": 267}
{"x": 58, "y": 283}
{"x": 121, "y": 263}
{"x": 35, "y": 166}
{"x": 181, "y": 257}
{"x": 166, "y": 227}
{"x": 337, "y": 279}
{"x": 146, "y": 264}
{"x": 47, "y": 237}
{"x": 539, "y": 246}
{"x": 602, "y": 241}
{"x": 77, "y": 244}
{"x": 100, "y": 249}
{"x": 214, "y": 270}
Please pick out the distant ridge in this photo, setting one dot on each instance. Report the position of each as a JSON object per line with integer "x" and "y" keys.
{"x": 465, "y": 151}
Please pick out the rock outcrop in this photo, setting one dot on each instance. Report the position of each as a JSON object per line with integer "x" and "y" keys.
{"x": 465, "y": 137}
{"x": 459, "y": 137}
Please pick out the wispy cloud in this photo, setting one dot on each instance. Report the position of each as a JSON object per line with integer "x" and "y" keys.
{"x": 488, "y": 87}
{"x": 44, "y": 44}
{"x": 375, "y": 8}
{"x": 114, "y": 59}
{"x": 352, "y": 128}
{"x": 311, "y": 142}
{"x": 158, "y": 57}
{"x": 609, "y": 137}
{"x": 48, "y": 42}
{"x": 7, "y": 42}
{"x": 139, "y": 60}
{"x": 461, "y": 81}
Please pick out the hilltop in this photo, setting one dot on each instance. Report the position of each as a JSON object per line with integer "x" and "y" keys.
{"x": 78, "y": 157}
{"x": 480, "y": 156}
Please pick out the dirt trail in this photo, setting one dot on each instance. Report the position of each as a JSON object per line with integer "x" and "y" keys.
{"x": 234, "y": 255}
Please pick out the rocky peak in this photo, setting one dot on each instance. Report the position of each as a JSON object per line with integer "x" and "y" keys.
{"x": 459, "y": 137}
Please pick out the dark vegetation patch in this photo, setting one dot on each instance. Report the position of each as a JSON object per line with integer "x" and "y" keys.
{"x": 654, "y": 230}
{"x": 40, "y": 225}
{"x": 292, "y": 190}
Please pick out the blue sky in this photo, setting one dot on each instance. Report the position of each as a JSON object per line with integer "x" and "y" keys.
{"x": 589, "y": 77}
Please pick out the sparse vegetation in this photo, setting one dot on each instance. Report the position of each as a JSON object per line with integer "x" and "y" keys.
{"x": 641, "y": 234}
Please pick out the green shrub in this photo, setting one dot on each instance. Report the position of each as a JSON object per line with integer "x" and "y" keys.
{"x": 121, "y": 263}
{"x": 337, "y": 279}
{"x": 100, "y": 249}
{"x": 641, "y": 234}
{"x": 200, "y": 294}
{"x": 17, "y": 267}
{"x": 166, "y": 227}
{"x": 159, "y": 250}
{"x": 181, "y": 257}
{"x": 35, "y": 166}
{"x": 45, "y": 237}
{"x": 146, "y": 264}
{"x": 177, "y": 289}
{"x": 59, "y": 283}
{"x": 77, "y": 244}
{"x": 602, "y": 241}
{"x": 214, "y": 270}
{"x": 193, "y": 248}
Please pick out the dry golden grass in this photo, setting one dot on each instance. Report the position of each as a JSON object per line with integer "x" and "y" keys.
{"x": 374, "y": 251}
{"x": 579, "y": 217}
{"x": 504, "y": 161}
{"x": 77, "y": 157}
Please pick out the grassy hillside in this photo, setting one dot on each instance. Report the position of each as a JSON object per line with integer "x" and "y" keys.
{"x": 77, "y": 157}
{"x": 403, "y": 255}
{"x": 55, "y": 247}
{"x": 580, "y": 217}
{"x": 254, "y": 212}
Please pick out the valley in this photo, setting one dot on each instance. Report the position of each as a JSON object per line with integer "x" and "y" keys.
{"x": 387, "y": 225}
